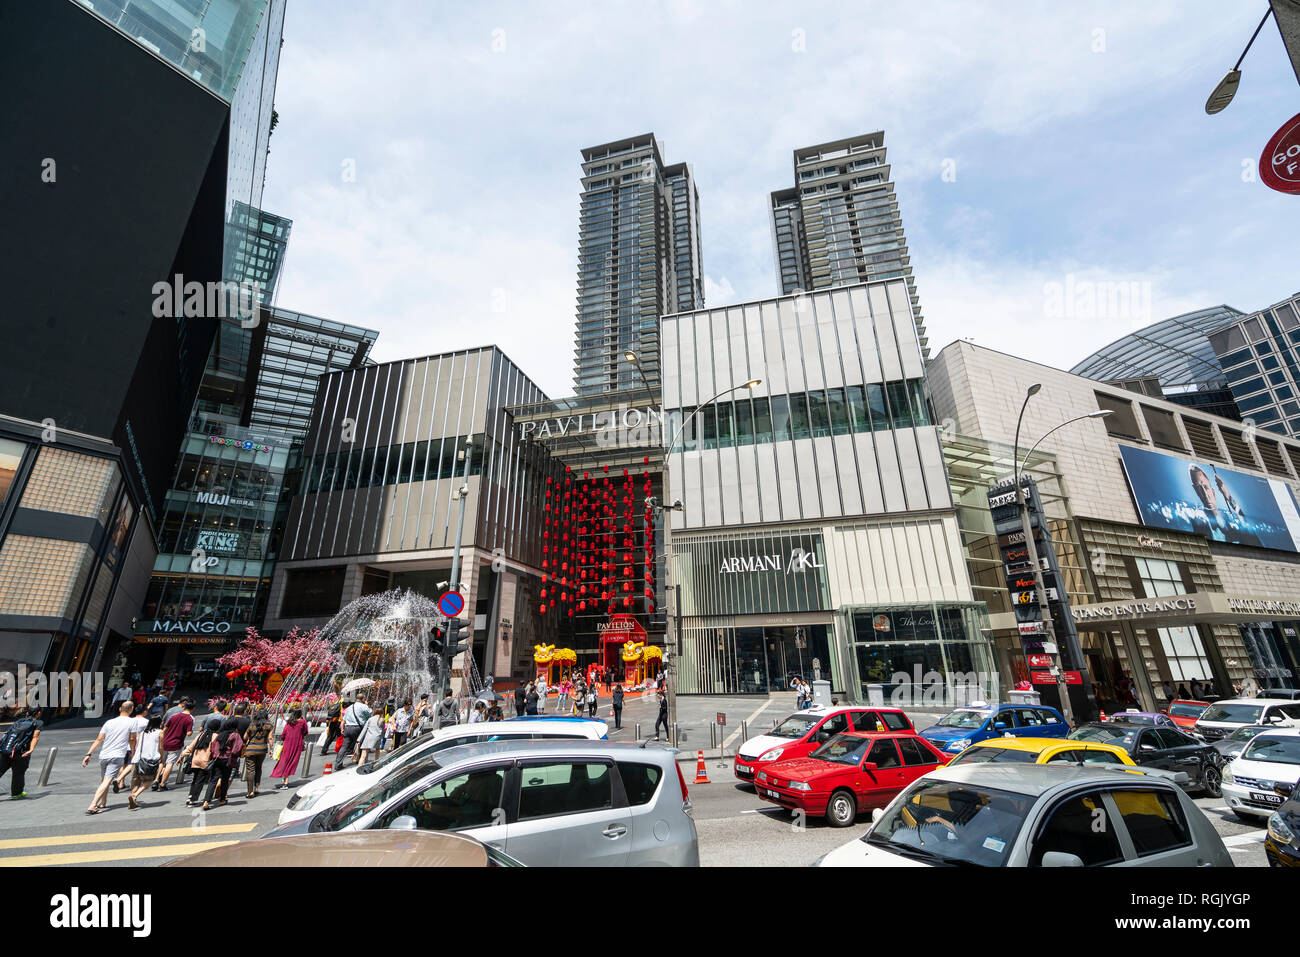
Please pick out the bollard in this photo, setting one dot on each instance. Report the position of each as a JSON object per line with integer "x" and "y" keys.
{"x": 744, "y": 731}
{"x": 638, "y": 731}
{"x": 674, "y": 737}
{"x": 47, "y": 767}
{"x": 775, "y": 722}
{"x": 305, "y": 770}
{"x": 713, "y": 735}
{"x": 722, "y": 746}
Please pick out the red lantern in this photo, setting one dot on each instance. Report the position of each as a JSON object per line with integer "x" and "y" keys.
{"x": 542, "y": 609}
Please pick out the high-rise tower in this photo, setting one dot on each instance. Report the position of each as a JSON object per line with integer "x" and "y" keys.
{"x": 840, "y": 223}
{"x": 638, "y": 260}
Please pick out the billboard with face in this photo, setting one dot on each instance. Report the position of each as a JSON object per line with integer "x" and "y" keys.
{"x": 1219, "y": 503}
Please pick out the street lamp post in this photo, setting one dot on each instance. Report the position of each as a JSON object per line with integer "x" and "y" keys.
{"x": 1040, "y": 587}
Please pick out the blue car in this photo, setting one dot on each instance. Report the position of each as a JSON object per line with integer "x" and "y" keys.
{"x": 959, "y": 729}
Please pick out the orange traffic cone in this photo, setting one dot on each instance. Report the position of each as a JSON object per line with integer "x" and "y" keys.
{"x": 1103, "y": 714}
{"x": 701, "y": 775}
{"x": 329, "y": 767}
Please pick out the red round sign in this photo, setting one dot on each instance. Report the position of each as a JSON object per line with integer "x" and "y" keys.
{"x": 1279, "y": 164}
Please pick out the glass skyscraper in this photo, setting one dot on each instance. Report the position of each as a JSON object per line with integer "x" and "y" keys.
{"x": 1260, "y": 354}
{"x": 840, "y": 223}
{"x": 638, "y": 259}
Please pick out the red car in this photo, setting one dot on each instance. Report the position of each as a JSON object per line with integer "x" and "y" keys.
{"x": 851, "y": 772}
{"x": 1185, "y": 713}
{"x": 805, "y": 730}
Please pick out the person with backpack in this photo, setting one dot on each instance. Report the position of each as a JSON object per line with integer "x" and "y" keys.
{"x": 257, "y": 740}
{"x": 16, "y": 747}
{"x": 354, "y": 720}
{"x": 226, "y": 748}
{"x": 148, "y": 756}
{"x": 199, "y": 753}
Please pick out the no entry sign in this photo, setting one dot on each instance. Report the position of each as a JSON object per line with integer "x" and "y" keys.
{"x": 1279, "y": 164}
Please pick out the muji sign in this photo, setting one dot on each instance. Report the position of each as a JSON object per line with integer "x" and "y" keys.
{"x": 1279, "y": 164}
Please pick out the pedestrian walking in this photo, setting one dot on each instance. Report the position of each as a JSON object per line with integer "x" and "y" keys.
{"x": 562, "y": 702}
{"x": 226, "y": 749}
{"x": 354, "y": 720}
{"x": 138, "y": 722}
{"x": 157, "y": 706}
{"x": 662, "y": 718}
{"x": 447, "y": 711}
{"x": 16, "y": 747}
{"x": 138, "y": 696}
{"x": 541, "y": 695}
{"x": 116, "y": 741}
{"x": 420, "y": 716}
{"x": 372, "y": 736}
{"x": 199, "y": 753}
{"x": 579, "y": 701}
{"x": 257, "y": 741}
{"x": 402, "y": 724}
{"x": 479, "y": 713}
{"x": 291, "y": 747}
{"x": 332, "y": 729}
{"x": 618, "y": 707}
{"x": 592, "y": 699}
{"x": 175, "y": 732}
{"x": 521, "y": 696}
{"x": 530, "y": 699}
{"x": 148, "y": 757}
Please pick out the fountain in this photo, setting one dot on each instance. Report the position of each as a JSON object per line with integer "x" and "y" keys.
{"x": 378, "y": 643}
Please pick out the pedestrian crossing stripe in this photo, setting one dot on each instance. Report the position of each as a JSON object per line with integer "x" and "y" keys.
{"x": 111, "y": 854}
{"x": 110, "y": 837}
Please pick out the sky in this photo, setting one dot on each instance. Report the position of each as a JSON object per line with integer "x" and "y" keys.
{"x": 1059, "y": 181}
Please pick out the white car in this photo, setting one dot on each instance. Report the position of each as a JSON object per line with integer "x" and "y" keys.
{"x": 1272, "y": 757}
{"x": 1224, "y": 717}
{"x": 333, "y": 789}
{"x": 804, "y": 731}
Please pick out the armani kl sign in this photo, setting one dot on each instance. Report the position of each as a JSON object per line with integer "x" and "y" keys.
{"x": 799, "y": 561}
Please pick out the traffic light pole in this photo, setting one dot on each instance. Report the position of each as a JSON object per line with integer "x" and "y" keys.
{"x": 452, "y": 633}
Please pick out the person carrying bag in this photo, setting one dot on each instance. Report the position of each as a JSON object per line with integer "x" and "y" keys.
{"x": 225, "y": 749}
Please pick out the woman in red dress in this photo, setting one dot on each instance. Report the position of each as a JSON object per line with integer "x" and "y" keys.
{"x": 295, "y": 733}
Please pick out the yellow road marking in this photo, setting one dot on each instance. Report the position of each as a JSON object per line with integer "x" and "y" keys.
{"x": 112, "y": 836}
{"x": 110, "y": 854}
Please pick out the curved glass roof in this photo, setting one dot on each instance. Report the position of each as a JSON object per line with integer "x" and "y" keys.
{"x": 1176, "y": 351}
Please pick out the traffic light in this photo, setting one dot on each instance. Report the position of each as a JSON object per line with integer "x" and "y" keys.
{"x": 455, "y": 640}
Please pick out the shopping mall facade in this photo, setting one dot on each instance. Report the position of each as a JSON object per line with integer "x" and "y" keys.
{"x": 1177, "y": 531}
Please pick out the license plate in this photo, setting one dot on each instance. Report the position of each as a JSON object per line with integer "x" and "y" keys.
{"x": 771, "y": 794}
{"x": 1262, "y": 798}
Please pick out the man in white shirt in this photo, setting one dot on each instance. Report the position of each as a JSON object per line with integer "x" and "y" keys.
{"x": 118, "y": 737}
{"x": 355, "y": 717}
{"x": 541, "y": 696}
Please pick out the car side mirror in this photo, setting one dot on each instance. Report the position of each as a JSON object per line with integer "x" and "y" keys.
{"x": 876, "y": 814}
{"x": 868, "y": 765}
{"x": 999, "y": 725}
{"x": 1061, "y": 859}
{"x": 403, "y": 823}
{"x": 823, "y": 736}
{"x": 1146, "y": 747}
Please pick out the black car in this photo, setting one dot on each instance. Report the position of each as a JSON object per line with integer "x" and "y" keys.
{"x": 1166, "y": 748}
{"x": 1282, "y": 844}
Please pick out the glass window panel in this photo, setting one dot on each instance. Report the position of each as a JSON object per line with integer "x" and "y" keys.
{"x": 820, "y": 415}
{"x": 876, "y": 404}
{"x": 920, "y": 412}
{"x": 899, "y": 405}
{"x": 708, "y": 428}
{"x": 840, "y": 424}
{"x": 857, "y": 403}
{"x": 799, "y": 425}
{"x": 726, "y": 429}
{"x": 781, "y": 430}
{"x": 762, "y": 420}
{"x": 744, "y": 422}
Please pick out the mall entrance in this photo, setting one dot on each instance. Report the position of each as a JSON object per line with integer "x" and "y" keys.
{"x": 768, "y": 658}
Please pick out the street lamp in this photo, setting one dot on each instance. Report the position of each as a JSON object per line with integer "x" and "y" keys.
{"x": 1040, "y": 587}
{"x": 632, "y": 358}
{"x": 1227, "y": 88}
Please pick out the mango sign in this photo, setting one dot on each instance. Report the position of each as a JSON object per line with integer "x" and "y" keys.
{"x": 1279, "y": 164}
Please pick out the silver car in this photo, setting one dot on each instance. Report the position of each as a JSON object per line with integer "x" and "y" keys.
{"x": 1038, "y": 815}
{"x": 560, "y": 803}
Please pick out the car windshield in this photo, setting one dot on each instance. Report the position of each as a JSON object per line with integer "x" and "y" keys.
{"x": 1132, "y": 718}
{"x": 843, "y": 749}
{"x": 1246, "y": 733}
{"x": 983, "y": 755}
{"x": 1278, "y": 750}
{"x": 1233, "y": 713}
{"x": 795, "y": 726}
{"x": 946, "y": 823}
{"x": 963, "y": 718}
{"x": 1107, "y": 734}
{"x": 335, "y": 819}
{"x": 1187, "y": 710}
{"x": 396, "y": 756}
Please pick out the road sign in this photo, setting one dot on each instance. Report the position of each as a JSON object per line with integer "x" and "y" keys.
{"x": 1279, "y": 164}
{"x": 1040, "y": 661}
{"x": 722, "y": 717}
{"x": 1047, "y": 678}
{"x": 451, "y": 603}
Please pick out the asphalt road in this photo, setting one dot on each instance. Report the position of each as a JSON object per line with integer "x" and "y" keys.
{"x": 736, "y": 828}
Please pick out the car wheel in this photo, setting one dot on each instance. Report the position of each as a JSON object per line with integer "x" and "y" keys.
{"x": 1213, "y": 782}
{"x": 841, "y": 809}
